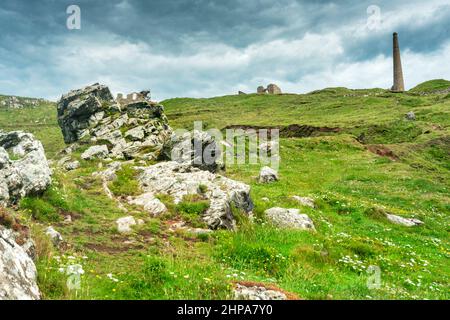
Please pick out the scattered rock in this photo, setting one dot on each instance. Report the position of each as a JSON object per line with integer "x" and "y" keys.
{"x": 72, "y": 165}
{"x": 17, "y": 270}
{"x": 289, "y": 218}
{"x": 407, "y": 222}
{"x": 267, "y": 175}
{"x": 410, "y": 116}
{"x": 135, "y": 134}
{"x": 181, "y": 179}
{"x": 54, "y": 235}
{"x": 95, "y": 152}
{"x": 24, "y": 169}
{"x": 269, "y": 148}
{"x": 181, "y": 225}
{"x": 265, "y": 199}
{"x": 124, "y": 224}
{"x": 305, "y": 201}
{"x": 242, "y": 292}
{"x": 150, "y": 203}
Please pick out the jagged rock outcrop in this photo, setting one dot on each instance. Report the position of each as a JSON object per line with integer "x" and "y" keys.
{"x": 17, "y": 270}
{"x": 181, "y": 179}
{"x": 24, "y": 168}
{"x": 131, "y": 129}
{"x": 197, "y": 148}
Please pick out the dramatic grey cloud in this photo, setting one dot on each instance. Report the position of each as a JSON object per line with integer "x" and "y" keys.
{"x": 205, "y": 48}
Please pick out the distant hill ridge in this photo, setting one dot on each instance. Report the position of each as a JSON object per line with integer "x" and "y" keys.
{"x": 432, "y": 86}
{"x": 16, "y": 102}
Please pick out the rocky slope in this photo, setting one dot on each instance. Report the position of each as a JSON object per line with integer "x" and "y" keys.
{"x": 140, "y": 131}
{"x": 23, "y": 171}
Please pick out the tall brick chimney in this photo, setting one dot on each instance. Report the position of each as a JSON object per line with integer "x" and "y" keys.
{"x": 399, "y": 85}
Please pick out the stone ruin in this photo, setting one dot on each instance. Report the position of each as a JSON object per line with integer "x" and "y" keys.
{"x": 271, "y": 89}
{"x": 143, "y": 96}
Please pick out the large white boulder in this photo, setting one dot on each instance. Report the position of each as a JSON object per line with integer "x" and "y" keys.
{"x": 181, "y": 179}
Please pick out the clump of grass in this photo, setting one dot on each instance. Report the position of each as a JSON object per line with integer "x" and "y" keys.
{"x": 126, "y": 183}
{"x": 192, "y": 208}
{"x": 47, "y": 207}
{"x": 375, "y": 213}
{"x": 203, "y": 188}
{"x": 40, "y": 209}
{"x": 256, "y": 256}
{"x": 6, "y": 219}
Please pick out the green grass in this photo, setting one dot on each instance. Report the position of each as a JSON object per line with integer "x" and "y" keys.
{"x": 353, "y": 188}
{"x": 40, "y": 120}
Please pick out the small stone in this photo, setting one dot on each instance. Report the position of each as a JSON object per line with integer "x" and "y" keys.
{"x": 255, "y": 292}
{"x": 124, "y": 224}
{"x": 411, "y": 116}
{"x": 54, "y": 235}
{"x": 72, "y": 165}
{"x": 305, "y": 201}
{"x": 95, "y": 152}
{"x": 267, "y": 175}
{"x": 151, "y": 204}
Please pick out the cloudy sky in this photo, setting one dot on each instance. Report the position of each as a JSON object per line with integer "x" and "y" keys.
{"x": 203, "y": 48}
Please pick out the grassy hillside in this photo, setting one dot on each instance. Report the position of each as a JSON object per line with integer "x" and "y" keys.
{"x": 431, "y": 86}
{"x": 40, "y": 120}
{"x": 376, "y": 159}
